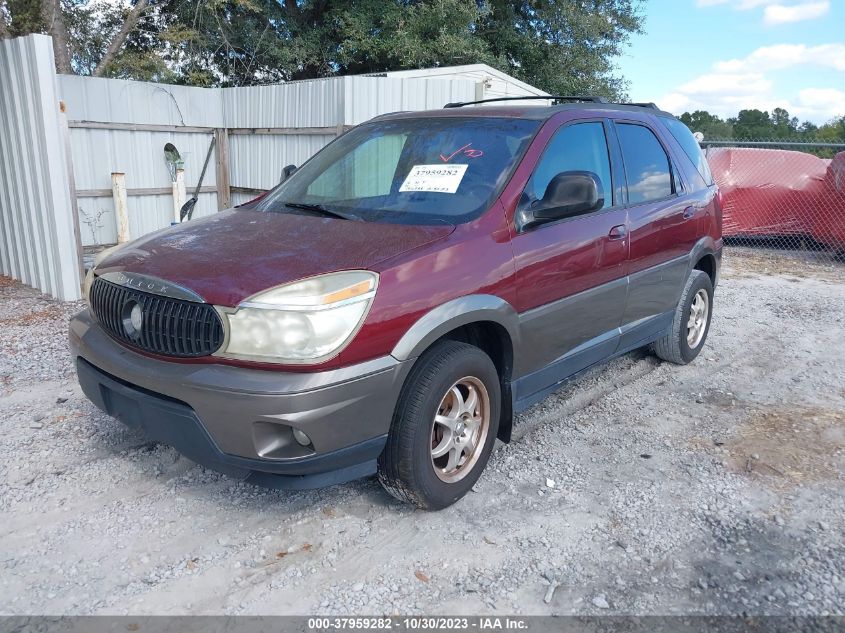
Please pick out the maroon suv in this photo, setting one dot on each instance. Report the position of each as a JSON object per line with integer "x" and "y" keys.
{"x": 393, "y": 303}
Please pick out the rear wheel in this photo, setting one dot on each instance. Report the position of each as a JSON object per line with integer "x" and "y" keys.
{"x": 444, "y": 427}
{"x": 691, "y": 322}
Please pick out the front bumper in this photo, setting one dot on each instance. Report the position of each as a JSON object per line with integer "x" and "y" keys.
{"x": 239, "y": 421}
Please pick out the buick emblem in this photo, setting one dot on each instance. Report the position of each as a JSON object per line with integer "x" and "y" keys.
{"x": 133, "y": 318}
{"x": 136, "y": 317}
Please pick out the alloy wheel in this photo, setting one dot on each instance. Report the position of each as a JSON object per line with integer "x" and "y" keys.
{"x": 697, "y": 323}
{"x": 460, "y": 428}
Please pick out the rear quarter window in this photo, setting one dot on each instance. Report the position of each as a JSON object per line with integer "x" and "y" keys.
{"x": 686, "y": 140}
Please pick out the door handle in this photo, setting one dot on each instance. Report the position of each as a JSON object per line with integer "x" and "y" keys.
{"x": 689, "y": 212}
{"x": 618, "y": 232}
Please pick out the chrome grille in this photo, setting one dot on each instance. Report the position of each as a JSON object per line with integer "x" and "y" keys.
{"x": 171, "y": 327}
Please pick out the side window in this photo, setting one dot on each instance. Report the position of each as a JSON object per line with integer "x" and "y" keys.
{"x": 365, "y": 172}
{"x": 687, "y": 141}
{"x": 577, "y": 147}
{"x": 646, "y": 164}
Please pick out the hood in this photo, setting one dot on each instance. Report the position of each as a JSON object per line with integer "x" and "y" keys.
{"x": 230, "y": 256}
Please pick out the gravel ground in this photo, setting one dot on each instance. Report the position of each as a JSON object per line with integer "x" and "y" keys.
{"x": 714, "y": 488}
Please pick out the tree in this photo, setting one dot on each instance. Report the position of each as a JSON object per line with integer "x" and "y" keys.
{"x": 756, "y": 125}
{"x": 4, "y": 29}
{"x": 129, "y": 24}
{"x": 783, "y": 125}
{"x": 563, "y": 47}
{"x": 51, "y": 15}
{"x": 25, "y": 17}
{"x": 808, "y": 128}
{"x": 66, "y": 20}
{"x": 752, "y": 125}
{"x": 833, "y": 131}
{"x": 708, "y": 124}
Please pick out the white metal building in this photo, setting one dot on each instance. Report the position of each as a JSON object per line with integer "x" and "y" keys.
{"x": 489, "y": 82}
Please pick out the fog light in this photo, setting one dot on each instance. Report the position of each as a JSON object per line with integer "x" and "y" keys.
{"x": 300, "y": 437}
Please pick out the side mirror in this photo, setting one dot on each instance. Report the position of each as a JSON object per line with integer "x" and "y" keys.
{"x": 287, "y": 172}
{"x": 568, "y": 193}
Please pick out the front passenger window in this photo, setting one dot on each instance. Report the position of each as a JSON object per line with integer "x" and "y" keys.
{"x": 577, "y": 147}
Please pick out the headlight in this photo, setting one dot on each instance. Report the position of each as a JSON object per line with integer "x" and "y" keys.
{"x": 302, "y": 322}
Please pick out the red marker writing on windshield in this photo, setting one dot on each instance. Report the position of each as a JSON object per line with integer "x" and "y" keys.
{"x": 465, "y": 150}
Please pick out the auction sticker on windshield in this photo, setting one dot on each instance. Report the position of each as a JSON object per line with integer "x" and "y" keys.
{"x": 434, "y": 178}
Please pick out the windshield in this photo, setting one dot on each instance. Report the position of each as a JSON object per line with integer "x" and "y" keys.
{"x": 408, "y": 171}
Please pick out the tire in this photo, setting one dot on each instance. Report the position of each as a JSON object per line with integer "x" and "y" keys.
{"x": 676, "y": 346}
{"x": 407, "y": 468}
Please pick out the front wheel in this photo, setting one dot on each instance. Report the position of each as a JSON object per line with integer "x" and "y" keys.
{"x": 444, "y": 427}
{"x": 691, "y": 322}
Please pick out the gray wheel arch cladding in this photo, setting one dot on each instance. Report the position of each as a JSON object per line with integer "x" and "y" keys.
{"x": 445, "y": 318}
{"x": 452, "y": 315}
{"x": 704, "y": 247}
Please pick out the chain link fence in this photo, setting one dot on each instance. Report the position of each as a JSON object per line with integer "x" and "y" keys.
{"x": 782, "y": 195}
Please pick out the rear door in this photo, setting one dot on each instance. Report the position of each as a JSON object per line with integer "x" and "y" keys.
{"x": 570, "y": 272}
{"x": 662, "y": 229}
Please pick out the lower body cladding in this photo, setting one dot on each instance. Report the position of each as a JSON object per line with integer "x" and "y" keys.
{"x": 278, "y": 429}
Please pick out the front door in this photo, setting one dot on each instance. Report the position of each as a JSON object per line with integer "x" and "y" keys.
{"x": 570, "y": 272}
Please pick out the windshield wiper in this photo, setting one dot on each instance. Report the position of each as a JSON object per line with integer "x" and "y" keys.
{"x": 321, "y": 210}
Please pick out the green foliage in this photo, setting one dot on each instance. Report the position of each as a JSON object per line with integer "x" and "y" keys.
{"x": 752, "y": 124}
{"x": 564, "y": 47}
{"x": 90, "y": 27}
{"x": 24, "y": 17}
{"x": 708, "y": 124}
{"x": 833, "y": 131}
{"x": 374, "y": 36}
{"x": 757, "y": 125}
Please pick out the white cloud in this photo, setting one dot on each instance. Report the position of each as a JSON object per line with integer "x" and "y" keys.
{"x": 781, "y": 14}
{"x": 820, "y": 104}
{"x": 739, "y": 5}
{"x": 784, "y": 56}
{"x": 774, "y": 11}
{"x": 716, "y": 84}
{"x": 676, "y": 103}
{"x": 720, "y": 93}
{"x": 750, "y": 82}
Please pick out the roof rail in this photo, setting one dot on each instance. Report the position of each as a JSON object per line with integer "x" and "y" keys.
{"x": 643, "y": 104}
{"x": 582, "y": 98}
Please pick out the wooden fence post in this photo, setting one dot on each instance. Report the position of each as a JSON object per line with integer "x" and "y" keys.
{"x": 118, "y": 188}
{"x": 224, "y": 194}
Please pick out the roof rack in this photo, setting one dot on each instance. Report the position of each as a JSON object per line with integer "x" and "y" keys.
{"x": 556, "y": 98}
{"x": 643, "y": 104}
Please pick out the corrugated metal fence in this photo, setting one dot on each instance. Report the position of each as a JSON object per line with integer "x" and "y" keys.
{"x": 56, "y": 170}
{"x": 38, "y": 239}
{"x": 123, "y": 126}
